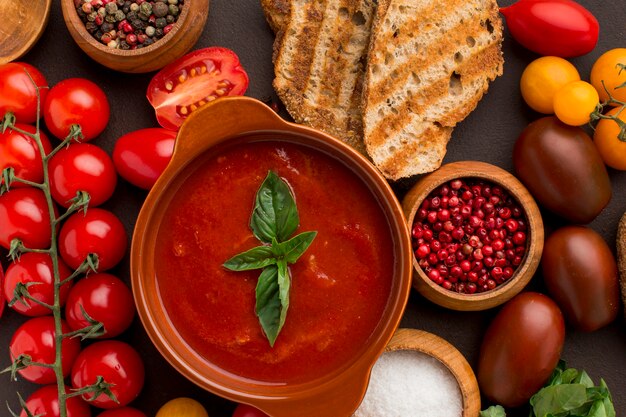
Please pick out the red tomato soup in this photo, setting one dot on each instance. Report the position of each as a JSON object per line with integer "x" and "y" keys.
{"x": 340, "y": 286}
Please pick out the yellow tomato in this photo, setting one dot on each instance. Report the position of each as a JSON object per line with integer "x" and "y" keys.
{"x": 542, "y": 78}
{"x": 574, "y": 103}
{"x": 607, "y": 69}
{"x": 611, "y": 148}
{"x": 182, "y": 407}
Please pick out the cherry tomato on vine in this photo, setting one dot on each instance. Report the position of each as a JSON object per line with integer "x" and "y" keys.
{"x": 24, "y": 215}
{"x": 22, "y": 154}
{"x": 18, "y": 94}
{"x": 45, "y": 402}
{"x": 118, "y": 363}
{"x": 36, "y": 339}
{"x": 122, "y": 412}
{"x": 141, "y": 156}
{"x": 194, "y": 80}
{"x": 82, "y": 167}
{"x": 607, "y": 74}
{"x": 76, "y": 101}
{"x": 104, "y": 298}
{"x": 542, "y": 78}
{"x": 35, "y": 271}
{"x": 611, "y": 148}
{"x": 574, "y": 103}
{"x": 100, "y": 232}
{"x": 182, "y": 407}
{"x": 552, "y": 27}
{"x": 245, "y": 410}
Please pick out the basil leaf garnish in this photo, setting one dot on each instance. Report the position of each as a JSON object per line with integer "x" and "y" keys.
{"x": 493, "y": 411}
{"x": 274, "y": 218}
{"x": 255, "y": 258}
{"x": 292, "y": 249}
{"x": 275, "y": 214}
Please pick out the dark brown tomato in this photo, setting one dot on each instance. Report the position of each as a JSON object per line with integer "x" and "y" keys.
{"x": 581, "y": 275}
{"x": 562, "y": 169}
{"x": 520, "y": 349}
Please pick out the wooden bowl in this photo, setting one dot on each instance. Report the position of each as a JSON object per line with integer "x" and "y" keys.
{"x": 336, "y": 393}
{"x": 438, "y": 348}
{"x": 530, "y": 262}
{"x": 23, "y": 23}
{"x": 172, "y": 46}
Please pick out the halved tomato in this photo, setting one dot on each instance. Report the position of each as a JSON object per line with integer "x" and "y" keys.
{"x": 194, "y": 80}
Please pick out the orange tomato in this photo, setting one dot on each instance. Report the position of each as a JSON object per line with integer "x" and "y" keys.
{"x": 611, "y": 148}
{"x": 607, "y": 69}
{"x": 542, "y": 78}
{"x": 574, "y": 103}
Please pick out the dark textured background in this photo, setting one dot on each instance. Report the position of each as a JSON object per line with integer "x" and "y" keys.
{"x": 488, "y": 135}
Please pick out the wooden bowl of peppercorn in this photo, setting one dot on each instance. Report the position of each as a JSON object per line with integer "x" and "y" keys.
{"x": 477, "y": 235}
{"x": 135, "y": 36}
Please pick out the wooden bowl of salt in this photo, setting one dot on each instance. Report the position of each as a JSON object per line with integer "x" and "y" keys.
{"x": 421, "y": 374}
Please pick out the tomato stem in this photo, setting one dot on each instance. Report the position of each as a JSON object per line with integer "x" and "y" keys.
{"x": 597, "y": 113}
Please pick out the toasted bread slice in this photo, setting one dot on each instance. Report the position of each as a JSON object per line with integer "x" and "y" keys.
{"x": 276, "y": 13}
{"x": 621, "y": 258}
{"x": 320, "y": 63}
{"x": 429, "y": 63}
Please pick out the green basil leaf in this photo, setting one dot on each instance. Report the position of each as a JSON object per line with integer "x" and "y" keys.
{"x": 268, "y": 306}
{"x": 608, "y": 401}
{"x": 570, "y": 376}
{"x": 556, "y": 377}
{"x": 493, "y": 411}
{"x": 255, "y": 258}
{"x": 284, "y": 285}
{"x": 583, "y": 378}
{"x": 556, "y": 399}
{"x": 292, "y": 249}
{"x": 275, "y": 215}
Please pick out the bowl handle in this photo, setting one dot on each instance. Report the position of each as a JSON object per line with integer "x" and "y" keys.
{"x": 218, "y": 120}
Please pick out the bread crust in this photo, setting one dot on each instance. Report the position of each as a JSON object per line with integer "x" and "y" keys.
{"x": 276, "y": 13}
{"x": 621, "y": 258}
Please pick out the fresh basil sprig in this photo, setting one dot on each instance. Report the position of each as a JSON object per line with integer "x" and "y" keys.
{"x": 274, "y": 218}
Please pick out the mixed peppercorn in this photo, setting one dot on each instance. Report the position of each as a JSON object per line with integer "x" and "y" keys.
{"x": 469, "y": 236}
{"x": 129, "y": 24}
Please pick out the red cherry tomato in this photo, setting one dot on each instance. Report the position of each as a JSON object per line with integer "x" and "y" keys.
{"x": 24, "y": 215}
{"x": 76, "y": 101}
{"x": 99, "y": 232}
{"x": 141, "y": 156}
{"x": 35, "y": 269}
{"x": 36, "y": 339}
{"x": 552, "y": 27}
{"x": 82, "y": 167}
{"x": 118, "y": 363}
{"x": 193, "y": 81}
{"x": 122, "y": 412}
{"x": 245, "y": 410}
{"x": 45, "y": 402}
{"x": 18, "y": 93}
{"x": 22, "y": 154}
{"x": 104, "y": 298}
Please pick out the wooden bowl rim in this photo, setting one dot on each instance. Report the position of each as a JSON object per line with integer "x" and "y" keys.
{"x": 448, "y": 355}
{"x": 530, "y": 262}
{"x": 27, "y": 46}
{"x": 198, "y": 6}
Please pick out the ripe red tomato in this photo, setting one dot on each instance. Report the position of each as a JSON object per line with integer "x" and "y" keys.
{"x": 100, "y": 232}
{"x": 193, "y": 81}
{"x": 18, "y": 93}
{"x": 141, "y": 156}
{"x": 245, "y": 410}
{"x": 122, "y": 412}
{"x": 118, "y": 363}
{"x": 106, "y": 299}
{"x": 76, "y": 101}
{"x": 552, "y": 27}
{"x": 35, "y": 268}
{"x": 520, "y": 349}
{"x": 36, "y": 338}
{"x": 22, "y": 154}
{"x": 45, "y": 402}
{"x": 82, "y": 167}
{"x": 24, "y": 215}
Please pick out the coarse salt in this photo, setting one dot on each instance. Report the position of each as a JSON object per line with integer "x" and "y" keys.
{"x": 406, "y": 383}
